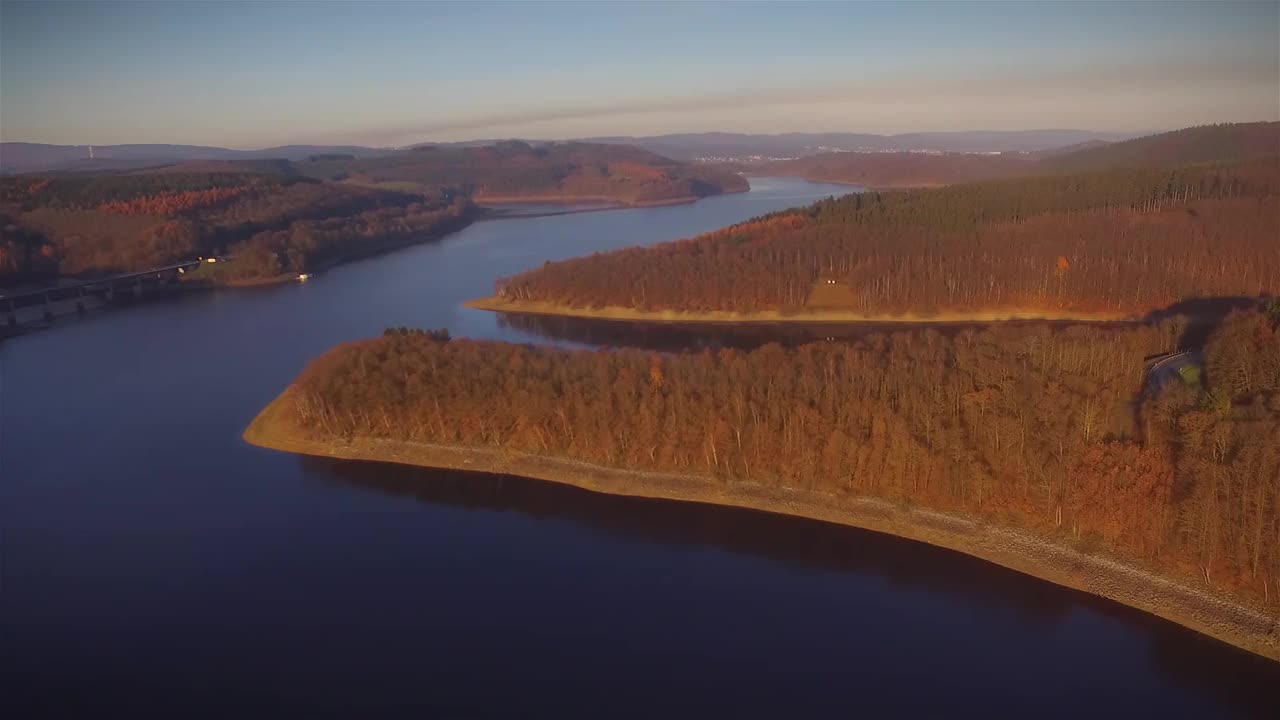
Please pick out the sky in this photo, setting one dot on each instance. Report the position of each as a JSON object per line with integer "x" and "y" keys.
{"x": 258, "y": 74}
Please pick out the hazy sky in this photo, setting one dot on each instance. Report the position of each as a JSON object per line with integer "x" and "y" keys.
{"x": 258, "y": 74}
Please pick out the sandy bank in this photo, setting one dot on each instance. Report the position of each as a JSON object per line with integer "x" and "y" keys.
{"x": 1200, "y": 609}
{"x": 531, "y": 307}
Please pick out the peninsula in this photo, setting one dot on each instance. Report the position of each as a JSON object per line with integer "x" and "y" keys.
{"x": 1102, "y": 245}
{"x": 1058, "y": 452}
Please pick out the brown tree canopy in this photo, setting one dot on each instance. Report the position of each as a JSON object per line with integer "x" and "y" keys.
{"x": 271, "y": 222}
{"x": 1124, "y": 241}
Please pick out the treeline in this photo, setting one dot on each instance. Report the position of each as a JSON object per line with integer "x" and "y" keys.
{"x": 1126, "y": 241}
{"x": 85, "y": 192}
{"x": 1042, "y": 428}
{"x": 269, "y": 223}
{"x": 170, "y": 203}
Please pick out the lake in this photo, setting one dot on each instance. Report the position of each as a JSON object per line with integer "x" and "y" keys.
{"x": 153, "y": 564}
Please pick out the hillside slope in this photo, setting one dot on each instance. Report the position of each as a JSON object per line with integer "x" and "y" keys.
{"x": 1115, "y": 244}
{"x": 278, "y": 216}
{"x": 514, "y": 170}
{"x": 1191, "y": 146}
{"x": 271, "y": 222}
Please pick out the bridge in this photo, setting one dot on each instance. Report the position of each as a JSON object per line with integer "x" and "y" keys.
{"x": 104, "y": 287}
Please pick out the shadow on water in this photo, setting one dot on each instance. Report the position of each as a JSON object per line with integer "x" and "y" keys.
{"x": 1232, "y": 676}
{"x": 1202, "y": 315}
{"x": 677, "y": 337}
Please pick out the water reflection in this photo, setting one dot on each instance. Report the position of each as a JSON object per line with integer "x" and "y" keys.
{"x": 1230, "y": 676}
{"x": 789, "y": 541}
{"x": 675, "y": 336}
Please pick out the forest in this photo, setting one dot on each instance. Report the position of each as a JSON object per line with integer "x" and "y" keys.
{"x": 274, "y": 217}
{"x": 1046, "y": 428}
{"x": 1126, "y": 242}
{"x": 269, "y": 222}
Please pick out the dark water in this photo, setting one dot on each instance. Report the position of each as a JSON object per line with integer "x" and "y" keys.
{"x": 679, "y": 337}
{"x": 152, "y": 564}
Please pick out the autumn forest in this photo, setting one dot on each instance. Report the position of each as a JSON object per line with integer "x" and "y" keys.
{"x": 276, "y": 217}
{"x": 1153, "y": 439}
{"x": 1125, "y": 241}
{"x": 1057, "y": 430}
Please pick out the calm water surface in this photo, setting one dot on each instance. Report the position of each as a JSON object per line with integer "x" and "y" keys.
{"x": 151, "y": 563}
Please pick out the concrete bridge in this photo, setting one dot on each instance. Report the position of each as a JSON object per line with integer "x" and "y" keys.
{"x": 106, "y": 288}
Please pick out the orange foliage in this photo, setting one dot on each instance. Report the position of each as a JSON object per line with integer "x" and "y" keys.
{"x": 175, "y": 202}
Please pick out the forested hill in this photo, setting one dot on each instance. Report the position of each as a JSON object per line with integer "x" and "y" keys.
{"x": 515, "y": 170}
{"x": 1197, "y": 145}
{"x": 276, "y": 216}
{"x": 1225, "y": 143}
{"x": 1120, "y": 242}
{"x": 1031, "y": 427}
{"x": 266, "y": 218}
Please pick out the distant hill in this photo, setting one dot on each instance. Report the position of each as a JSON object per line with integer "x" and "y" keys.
{"x": 745, "y": 147}
{"x": 278, "y": 217}
{"x": 514, "y": 170}
{"x": 21, "y": 157}
{"x": 271, "y": 220}
{"x": 1226, "y": 143}
{"x": 1190, "y": 146}
{"x": 1068, "y": 149}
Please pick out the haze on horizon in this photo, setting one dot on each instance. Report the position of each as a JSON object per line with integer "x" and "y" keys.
{"x": 250, "y": 75}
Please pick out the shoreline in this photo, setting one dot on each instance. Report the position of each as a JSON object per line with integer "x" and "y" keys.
{"x": 194, "y": 284}
{"x": 1202, "y": 610}
{"x": 613, "y": 312}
